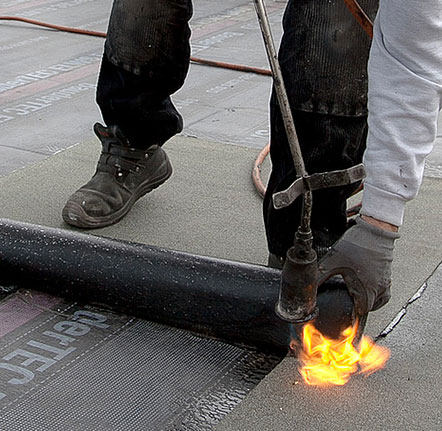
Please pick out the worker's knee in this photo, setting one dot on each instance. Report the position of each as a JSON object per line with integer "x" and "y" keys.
{"x": 148, "y": 35}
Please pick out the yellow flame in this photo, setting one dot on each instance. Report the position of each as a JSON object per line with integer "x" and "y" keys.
{"x": 325, "y": 361}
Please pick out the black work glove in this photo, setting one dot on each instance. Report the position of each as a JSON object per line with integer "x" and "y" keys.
{"x": 363, "y": 256}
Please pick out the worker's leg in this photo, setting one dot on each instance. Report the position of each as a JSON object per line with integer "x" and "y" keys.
{"x": 328, "y": 143}
{"x": 146, "y": 59}
{"x": 323, "y": 57}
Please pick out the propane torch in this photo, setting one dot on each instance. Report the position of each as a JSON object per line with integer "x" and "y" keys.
{"x": 299, "y": 277}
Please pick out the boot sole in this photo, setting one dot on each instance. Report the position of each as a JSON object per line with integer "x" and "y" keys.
{"x": 82, "y": 220}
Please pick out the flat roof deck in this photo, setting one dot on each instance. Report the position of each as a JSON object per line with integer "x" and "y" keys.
{"x": 209, "y": 206}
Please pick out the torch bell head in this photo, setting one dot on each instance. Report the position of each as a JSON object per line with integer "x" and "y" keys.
{"x": 299, "y": 285}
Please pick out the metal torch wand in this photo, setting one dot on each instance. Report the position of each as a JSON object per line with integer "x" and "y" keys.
{"x": 297, "y": 299}
{"x": 299, "y": 278}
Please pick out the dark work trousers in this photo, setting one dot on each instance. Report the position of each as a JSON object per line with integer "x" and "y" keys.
{"x": 323, "y": 56}
{"x": 328, "y": 142}
{"x": 146, "y": 60}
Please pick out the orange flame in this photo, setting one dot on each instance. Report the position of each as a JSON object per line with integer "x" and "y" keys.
{"x": 325, "y": 361}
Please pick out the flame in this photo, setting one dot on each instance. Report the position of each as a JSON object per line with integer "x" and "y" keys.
{"x": 325, "y": 361}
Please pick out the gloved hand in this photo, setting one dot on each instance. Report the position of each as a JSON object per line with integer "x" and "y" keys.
{"x": 363, "y": 256}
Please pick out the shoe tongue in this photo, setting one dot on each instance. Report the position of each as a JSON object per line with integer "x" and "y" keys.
{"x": 111, "y": 135}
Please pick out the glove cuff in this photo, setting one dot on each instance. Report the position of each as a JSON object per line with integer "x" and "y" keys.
{"x": 374, "y": 230}
{"x": 371, "y": 237}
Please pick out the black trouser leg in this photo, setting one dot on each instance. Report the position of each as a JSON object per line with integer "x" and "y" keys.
{"x": 328, "y": 143}
{"x": 323, "y": 56}
{"x": 146, "y": 60}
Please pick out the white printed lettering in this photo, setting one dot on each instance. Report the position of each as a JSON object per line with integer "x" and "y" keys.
{"x": 59, "y": 353}
{"x": 42, "y": 74}
{"x": 75, "y": 329}
{"x": 64, "y": 339}
{"x": 4, "y": 118}
{"x": 32, "y": 357}
{"x": 61, "y": 67}
{"x": 27, "y": 375}
{"x": 17, "y": 110}
{"x": 95, "y": 318}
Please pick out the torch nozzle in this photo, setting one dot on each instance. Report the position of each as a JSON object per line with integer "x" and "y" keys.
{"x": 299, "y": 281}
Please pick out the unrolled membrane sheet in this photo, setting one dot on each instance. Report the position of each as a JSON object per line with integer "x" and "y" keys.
{"x": 69, "y": 366}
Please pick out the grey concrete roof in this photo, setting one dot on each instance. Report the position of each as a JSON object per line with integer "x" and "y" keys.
{"x": 406, "y": 395}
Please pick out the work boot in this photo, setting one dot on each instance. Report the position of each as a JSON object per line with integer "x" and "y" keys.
{"x": 124, "y": 174}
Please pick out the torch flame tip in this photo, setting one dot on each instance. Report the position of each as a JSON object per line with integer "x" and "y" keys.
{"x": 325, "y": 361}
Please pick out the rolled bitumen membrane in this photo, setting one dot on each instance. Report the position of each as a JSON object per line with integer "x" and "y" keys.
{"x": 230, "y": 301}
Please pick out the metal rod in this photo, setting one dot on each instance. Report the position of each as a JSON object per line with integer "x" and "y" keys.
{"x": 281, "y": 92}
{"x": 306, "y": 215}
{"x": 286, "y": 112}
